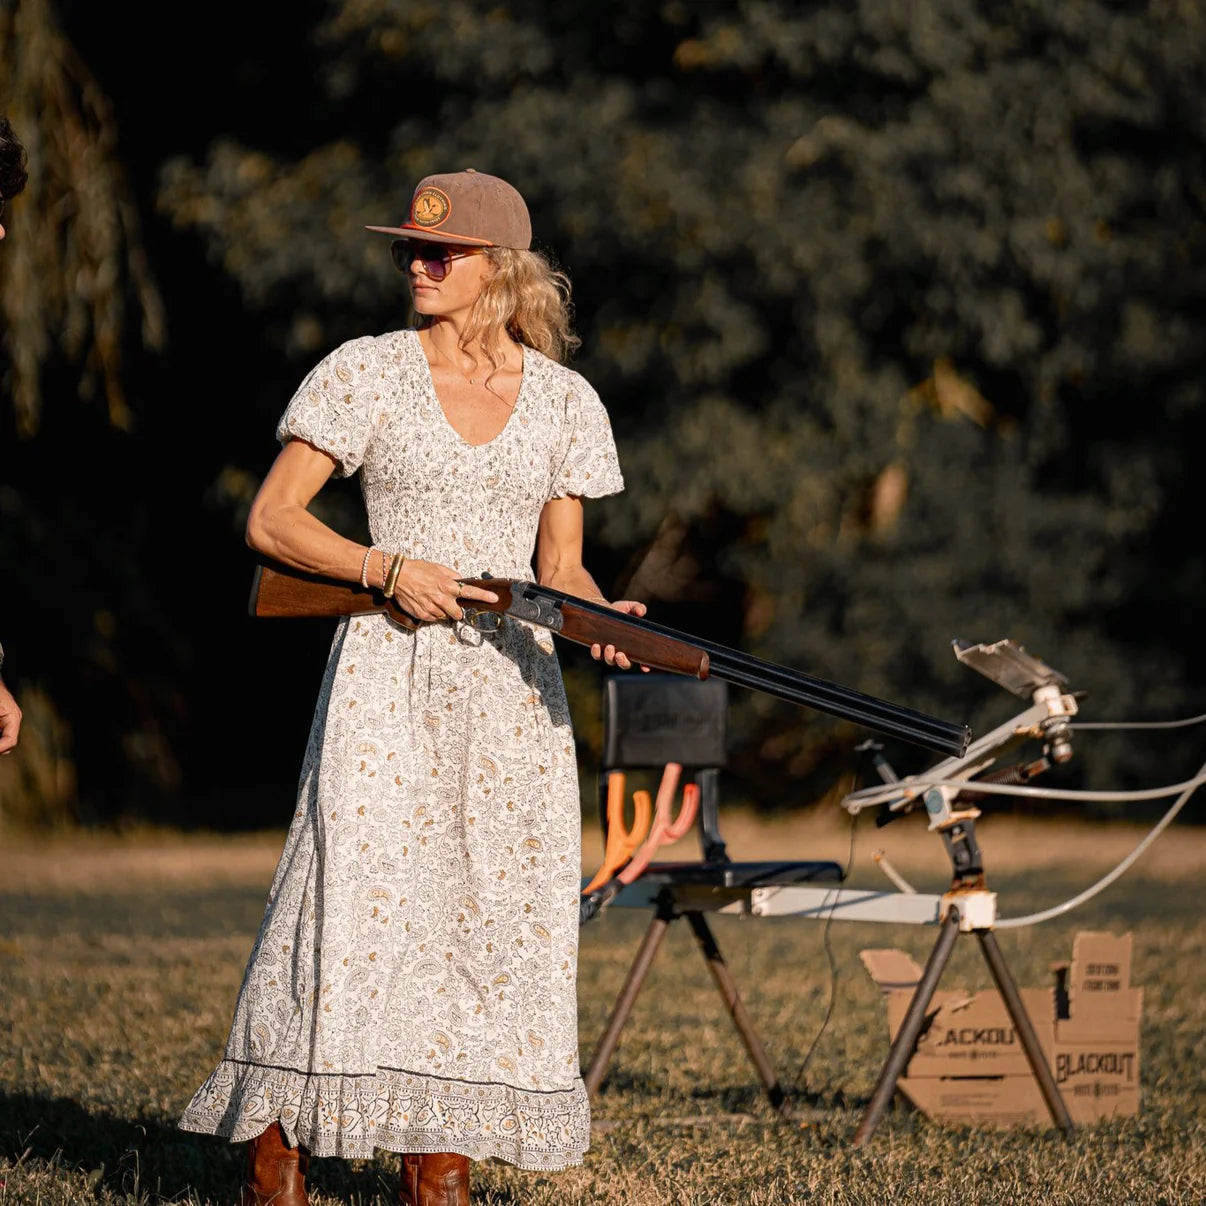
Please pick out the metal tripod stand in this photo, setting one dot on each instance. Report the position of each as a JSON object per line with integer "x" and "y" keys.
{"x": 971, "y": 909}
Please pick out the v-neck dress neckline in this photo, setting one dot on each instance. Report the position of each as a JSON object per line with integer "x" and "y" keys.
{"x": 429, "y": 382}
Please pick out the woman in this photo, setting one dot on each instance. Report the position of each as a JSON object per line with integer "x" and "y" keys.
{"x": 413, "y": 984}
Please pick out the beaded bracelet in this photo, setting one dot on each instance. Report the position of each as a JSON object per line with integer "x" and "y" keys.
{"x": 364, "y": 568}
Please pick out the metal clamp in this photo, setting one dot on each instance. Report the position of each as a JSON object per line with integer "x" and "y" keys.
{"x": 976, "y": 908}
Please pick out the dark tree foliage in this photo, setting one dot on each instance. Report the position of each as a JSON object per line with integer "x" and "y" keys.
{"x": 895, "y": 308}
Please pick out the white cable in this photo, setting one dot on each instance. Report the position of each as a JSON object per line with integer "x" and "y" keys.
{"x": 883, "y": 795}
{"x": 1139, "y": 724}
{"x": 1013, "y": 923}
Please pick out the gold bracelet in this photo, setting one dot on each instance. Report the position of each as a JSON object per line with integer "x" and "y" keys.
{"x": 391, "y": 579}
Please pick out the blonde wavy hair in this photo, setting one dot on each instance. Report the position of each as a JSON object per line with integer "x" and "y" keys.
{"x": 526, "y": 299}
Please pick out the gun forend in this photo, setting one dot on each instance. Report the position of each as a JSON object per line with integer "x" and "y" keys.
{"x": 588, "y": 623}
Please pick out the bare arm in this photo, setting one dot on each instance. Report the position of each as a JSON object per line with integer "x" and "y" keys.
{"x": 280, "y": 527}
{"x": 559, "y": 566}
{"x": 559, "y": 550}
{"x": 10, "y": 720}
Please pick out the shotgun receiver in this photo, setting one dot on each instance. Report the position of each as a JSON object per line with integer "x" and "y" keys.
{"x": 279, "y": 590}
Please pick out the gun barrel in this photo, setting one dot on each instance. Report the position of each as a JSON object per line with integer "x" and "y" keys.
{"x": 919, "y": 728}
{"x": 794, "y": 686}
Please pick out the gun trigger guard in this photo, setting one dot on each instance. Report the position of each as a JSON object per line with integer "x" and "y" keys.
{"x": 482, "y": 621}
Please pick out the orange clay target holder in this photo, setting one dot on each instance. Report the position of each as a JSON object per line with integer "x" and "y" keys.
{"x": 665, "y": 828}
{"x": 622, "y": 842}
{"x": 632, "y": 849}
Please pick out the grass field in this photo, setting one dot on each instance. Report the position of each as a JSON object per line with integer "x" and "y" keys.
{"x": 120, "y": 959}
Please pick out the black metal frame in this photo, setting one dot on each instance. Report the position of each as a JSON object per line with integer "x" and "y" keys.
{"x": 665, "y": 911}
{"x": 648, "y": 721}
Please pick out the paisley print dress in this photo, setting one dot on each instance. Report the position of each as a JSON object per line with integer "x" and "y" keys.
{"x": 412, "y": 986}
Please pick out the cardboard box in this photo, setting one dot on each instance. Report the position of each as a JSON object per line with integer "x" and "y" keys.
{"x": 1098, "y": 1079}
{"x": 1101, "y": 970}
{"x": 1095, "y": 1055}
{"x": 968, "y": 1065}
{"x": 1001, "y": 1101}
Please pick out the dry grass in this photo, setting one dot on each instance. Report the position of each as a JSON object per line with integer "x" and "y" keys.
{"x": 1010, "y": 844}
{"x": 102, "y": 862}
{"x": 120, "y": 960}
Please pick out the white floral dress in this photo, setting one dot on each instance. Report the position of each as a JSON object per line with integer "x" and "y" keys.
{"x": 412, "y": 986}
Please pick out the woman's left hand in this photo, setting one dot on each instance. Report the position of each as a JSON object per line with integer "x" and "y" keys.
{"x": 609, "y": 653}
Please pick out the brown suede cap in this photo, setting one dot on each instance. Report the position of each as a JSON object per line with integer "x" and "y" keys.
{"x": 469, "y": 208}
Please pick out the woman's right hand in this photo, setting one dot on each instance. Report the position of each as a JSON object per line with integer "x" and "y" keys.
{"x": 429, "y": 591}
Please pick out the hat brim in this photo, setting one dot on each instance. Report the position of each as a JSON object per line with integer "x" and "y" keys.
{"x": 430, "y": 236}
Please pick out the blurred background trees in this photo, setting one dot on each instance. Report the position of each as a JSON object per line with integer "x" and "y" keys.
{"x": 896, "y": 310}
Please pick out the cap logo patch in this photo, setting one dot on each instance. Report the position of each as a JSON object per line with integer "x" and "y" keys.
{"x": 430, "y": 207}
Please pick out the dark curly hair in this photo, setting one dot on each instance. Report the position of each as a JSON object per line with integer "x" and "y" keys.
{"x": 12, "y": 162}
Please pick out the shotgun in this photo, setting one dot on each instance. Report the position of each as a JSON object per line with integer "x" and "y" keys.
{"x": 280, "y": 590}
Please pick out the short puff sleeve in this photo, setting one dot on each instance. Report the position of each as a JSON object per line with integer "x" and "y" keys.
{"x": 333, "y": 407}
{"x": 585, "y": 461}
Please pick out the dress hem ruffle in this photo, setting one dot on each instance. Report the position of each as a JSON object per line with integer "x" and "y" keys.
{"x": 396, "y": 1111}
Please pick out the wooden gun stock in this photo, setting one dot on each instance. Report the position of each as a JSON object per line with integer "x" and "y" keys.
{"x": 280, "y": 590}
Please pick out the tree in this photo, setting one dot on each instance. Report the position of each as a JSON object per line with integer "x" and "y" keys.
{"x": 72, "y": 269}
{"x": 77, "y": 297}
{"x": 893, "y": 308}
{"x": 872, "y": 291}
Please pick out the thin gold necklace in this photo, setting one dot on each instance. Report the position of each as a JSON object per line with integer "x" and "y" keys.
{"x": 460, "y": 371}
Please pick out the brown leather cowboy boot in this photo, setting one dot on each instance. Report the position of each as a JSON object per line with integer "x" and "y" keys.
{"x": 439, "y": 1179}
{"x": 276, "y": 1172}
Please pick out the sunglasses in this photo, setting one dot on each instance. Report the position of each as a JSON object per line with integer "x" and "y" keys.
{"x": 435, "y": 258}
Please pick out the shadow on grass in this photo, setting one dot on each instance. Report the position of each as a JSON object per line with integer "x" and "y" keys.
{"x": 723, "y": 1099}
{"x": 621, "y": 1080}
{"x": 126, "y": 1155}
{"x": 151, "y": 1160}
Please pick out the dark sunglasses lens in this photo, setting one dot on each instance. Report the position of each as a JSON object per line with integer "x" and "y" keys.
{"x": 432, "y": 256}
{"x": 435, "y": 261}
